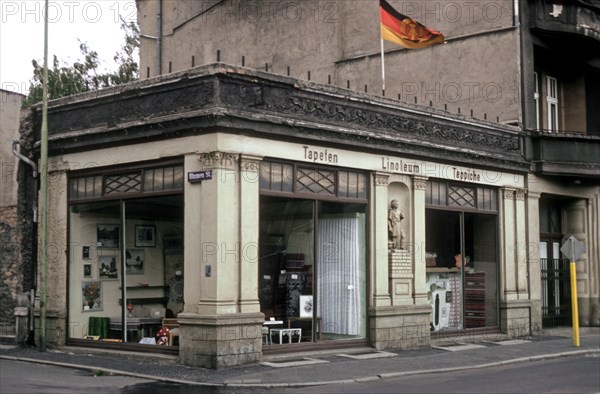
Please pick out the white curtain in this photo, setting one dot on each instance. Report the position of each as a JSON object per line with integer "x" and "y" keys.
{"x": 339, "y": 275}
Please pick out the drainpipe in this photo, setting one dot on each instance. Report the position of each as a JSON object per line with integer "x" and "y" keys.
{"x": 32, "y": 164}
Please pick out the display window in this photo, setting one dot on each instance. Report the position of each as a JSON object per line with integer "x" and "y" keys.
{"x": 126, "y": 259}
{"x": 313, "y": 269}
{"x": 462, "y": 256}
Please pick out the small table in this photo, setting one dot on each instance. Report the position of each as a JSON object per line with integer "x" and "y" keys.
{"x": 268, "y": 323}
{"x": 289, "y": 332}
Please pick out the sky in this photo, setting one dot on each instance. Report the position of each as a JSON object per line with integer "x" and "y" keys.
{"x": 95, "y": 22}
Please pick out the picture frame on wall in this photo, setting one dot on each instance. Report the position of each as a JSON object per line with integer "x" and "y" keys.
{"x": 107, "y": 236}
{"x": 306, "y": 306}
{"x": 134, "y": 261}
{"x": 91, "y": 296}
{"x": 85, "y": 252}
{"x": 87, "y": 270}
{"x": 108, "y": 267}
{"x": 145, "y": 236}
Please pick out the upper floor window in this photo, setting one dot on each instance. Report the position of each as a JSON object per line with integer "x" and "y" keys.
{"x": 536, "y": 99}
{"x": 552, "y": 100}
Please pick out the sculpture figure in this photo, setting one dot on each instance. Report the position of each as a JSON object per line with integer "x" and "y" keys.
{"x": 395, "y": 232}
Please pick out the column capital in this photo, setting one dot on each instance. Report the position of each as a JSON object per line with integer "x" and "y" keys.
{"x": 219, "y": 160}
{"x": 381, "y": 178}
{"x": 250, "y": 163}
{"x": 508, "y": 193}
{"x": 419, "y": 182}
{"x": 520, "y": 194}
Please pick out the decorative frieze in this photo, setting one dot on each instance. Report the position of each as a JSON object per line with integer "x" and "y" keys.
{"x": 400, "y": 263}
{"x": 219, "y": 160}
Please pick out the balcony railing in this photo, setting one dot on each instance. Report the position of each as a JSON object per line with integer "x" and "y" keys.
{"x": 575, "y": 16}
{"x": 564, "y": 153}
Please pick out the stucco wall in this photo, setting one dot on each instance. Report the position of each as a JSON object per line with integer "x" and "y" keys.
{"x": 338, "y": 43}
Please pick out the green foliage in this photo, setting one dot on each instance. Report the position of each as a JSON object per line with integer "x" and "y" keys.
{"x": 83, "y": 75}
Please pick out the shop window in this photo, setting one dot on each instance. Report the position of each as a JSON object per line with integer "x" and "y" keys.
{"x": 445, "y": 194}
{"x": 126, "y": 256}
{"x": 287, "y": 178}
{"x": 315, "y": 181}
{"x": 461, "y": 255}
{"x": 126, "y": 183}
{"x": 312, "y": 272}
{"x": 111, "y": 185}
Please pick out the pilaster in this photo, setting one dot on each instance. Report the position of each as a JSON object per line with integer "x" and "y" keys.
{"x": 380, "y": 271}
{"x": 509, "y": 244}
{"x": 419, "y": 238}
{"x": 522, "y": 270}
{"x": 249, "y": 220}
{"x": 220, "y": 249}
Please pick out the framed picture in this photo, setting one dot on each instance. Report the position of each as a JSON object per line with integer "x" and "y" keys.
{"x": 87, "y": 270}
{"x": 108, "y": 267}
{"x": 134, "y": 261}
{"x": 145, "y": 236}
{"x": 91, "y": 296}
{"x": 107, "y": 236}
{"x": 306, "y": 306}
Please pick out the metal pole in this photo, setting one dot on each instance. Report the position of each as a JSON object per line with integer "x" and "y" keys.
{"x": 44, "y": 189}
{"x": 574, "y": 298}
{"x": 382, "y": 68}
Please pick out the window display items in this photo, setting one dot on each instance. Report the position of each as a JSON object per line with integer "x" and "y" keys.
{"x": 87, "y": 270}
{"x": 107, "y": 236}
{"x": 107, "y": 267}
{"x": 134, "y": 261}
{"x": 91, "y": 294}
{"x": 145, "y": 236}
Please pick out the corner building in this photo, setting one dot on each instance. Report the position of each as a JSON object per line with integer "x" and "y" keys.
{"x": 222, "y": 197}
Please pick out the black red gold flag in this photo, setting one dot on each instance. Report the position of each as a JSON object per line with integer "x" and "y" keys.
{"x": 405, "y": 31}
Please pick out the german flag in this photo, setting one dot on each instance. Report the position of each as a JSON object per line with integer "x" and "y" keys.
{"x": 405, "y": 31}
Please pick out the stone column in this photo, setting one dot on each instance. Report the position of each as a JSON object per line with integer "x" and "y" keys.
{"x": 249, "y": 228}
{"x": 420, "y": 276}
{"x": 216, "y": 333}
{"x": 381, "y": 296}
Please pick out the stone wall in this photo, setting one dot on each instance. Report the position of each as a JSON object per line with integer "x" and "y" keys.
{"x": 10, "y": 264}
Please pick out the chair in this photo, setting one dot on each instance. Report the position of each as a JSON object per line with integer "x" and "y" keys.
{"x": 267, "y": 335}
{"x": 173, "y": 327}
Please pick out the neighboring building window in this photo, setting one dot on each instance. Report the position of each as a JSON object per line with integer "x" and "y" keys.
{"x": 552, "y": 99}
{"x": 536, "y": 100}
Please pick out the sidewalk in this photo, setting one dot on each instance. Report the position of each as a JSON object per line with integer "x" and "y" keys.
{"x": 317, "y": 368}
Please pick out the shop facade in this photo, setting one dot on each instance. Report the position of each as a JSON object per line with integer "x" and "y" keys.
{"x": 223, "y": 198}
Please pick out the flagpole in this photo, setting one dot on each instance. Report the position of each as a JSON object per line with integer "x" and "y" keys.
{"x": 382, "y": 68}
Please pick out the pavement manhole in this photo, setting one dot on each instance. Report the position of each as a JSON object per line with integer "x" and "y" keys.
{"x": 292, "y": 363}
{"x": 368, "y": 356}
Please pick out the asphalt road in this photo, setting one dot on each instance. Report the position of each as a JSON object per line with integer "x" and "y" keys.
{"x": 573, "y": 375}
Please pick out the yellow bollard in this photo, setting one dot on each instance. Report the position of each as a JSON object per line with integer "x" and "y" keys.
{"x": 574, "y": 304}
